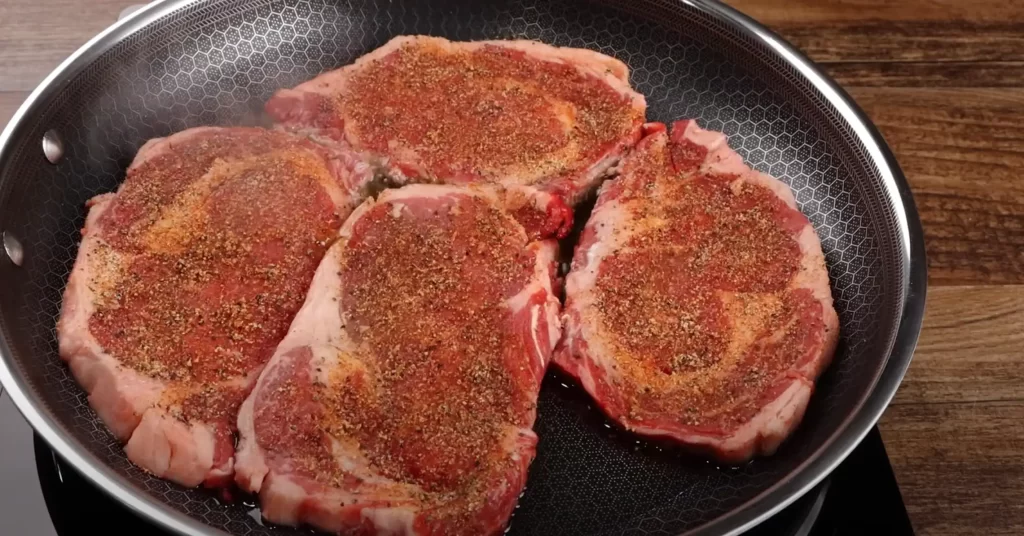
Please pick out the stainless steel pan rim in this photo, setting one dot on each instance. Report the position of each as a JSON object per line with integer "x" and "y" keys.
{"x": 747, "y": 515}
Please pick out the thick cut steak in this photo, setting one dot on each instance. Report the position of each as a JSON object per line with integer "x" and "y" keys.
{"x": 519, "y": 113}
{"x": 698, "y": 305}
{"x": 187, "y": 279}
{"x": 403, "y": 397}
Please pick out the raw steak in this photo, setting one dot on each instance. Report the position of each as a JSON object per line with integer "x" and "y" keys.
{"x": 403, "y": 397}
{"x": 509, "y": 112}
{"x": 698, "y": 305}
{"x": 187, "y": 278}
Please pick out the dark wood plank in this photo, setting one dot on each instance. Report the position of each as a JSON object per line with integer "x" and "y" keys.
{"x": 9, "y": 102}
{"x": 960, "y": 466}
{"x": 962, "y": 151}
{"x": 821, "y": 11}
{"x": 864, "y": 40}
{"x": 35, "y": 35}
{"x": 924, "y": 43}
{"x": 971, "y": 348}
{"x": 952, "y": 74}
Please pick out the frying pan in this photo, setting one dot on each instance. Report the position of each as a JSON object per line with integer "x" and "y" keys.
{"x": 179, "y": 63}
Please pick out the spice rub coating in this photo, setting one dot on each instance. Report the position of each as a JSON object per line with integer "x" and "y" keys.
{"x": 698, "y": 305}
{"x": 512, "y": 112}
{"x": 188, "y": 277}
{"x": 404, "y": 396}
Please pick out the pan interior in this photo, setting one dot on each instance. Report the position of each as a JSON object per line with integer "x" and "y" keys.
{"x": 209, "y": 62}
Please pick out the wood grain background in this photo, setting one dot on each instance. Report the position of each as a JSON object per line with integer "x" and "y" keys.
{"x": 944, "y": 81}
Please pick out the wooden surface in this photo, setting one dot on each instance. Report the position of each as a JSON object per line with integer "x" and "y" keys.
{"x": 944, "y": 81}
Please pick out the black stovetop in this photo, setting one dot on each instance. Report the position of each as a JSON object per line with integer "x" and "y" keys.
{"x": 43, "y": 496}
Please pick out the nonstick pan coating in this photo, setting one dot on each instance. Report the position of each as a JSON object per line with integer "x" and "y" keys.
{"x": 178, "y": 64}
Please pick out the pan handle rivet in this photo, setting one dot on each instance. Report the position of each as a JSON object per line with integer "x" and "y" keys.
{"x": 13, "y": 249}
{"x": 53, "y": 147}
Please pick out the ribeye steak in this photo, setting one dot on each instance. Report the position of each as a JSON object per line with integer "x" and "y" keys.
{"x": 403, "y": 397}
{"x": 187, "y": 278}
{"x": 698, "y": 305}
{"x": 513, "y": 112}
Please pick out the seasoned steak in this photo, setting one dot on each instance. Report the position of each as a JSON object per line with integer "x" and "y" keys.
{"x": 518, "y": 113}
{"x": 403, "y": 397}
{"x": 698, "y": 305}
{"x": 187, "y": 279}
